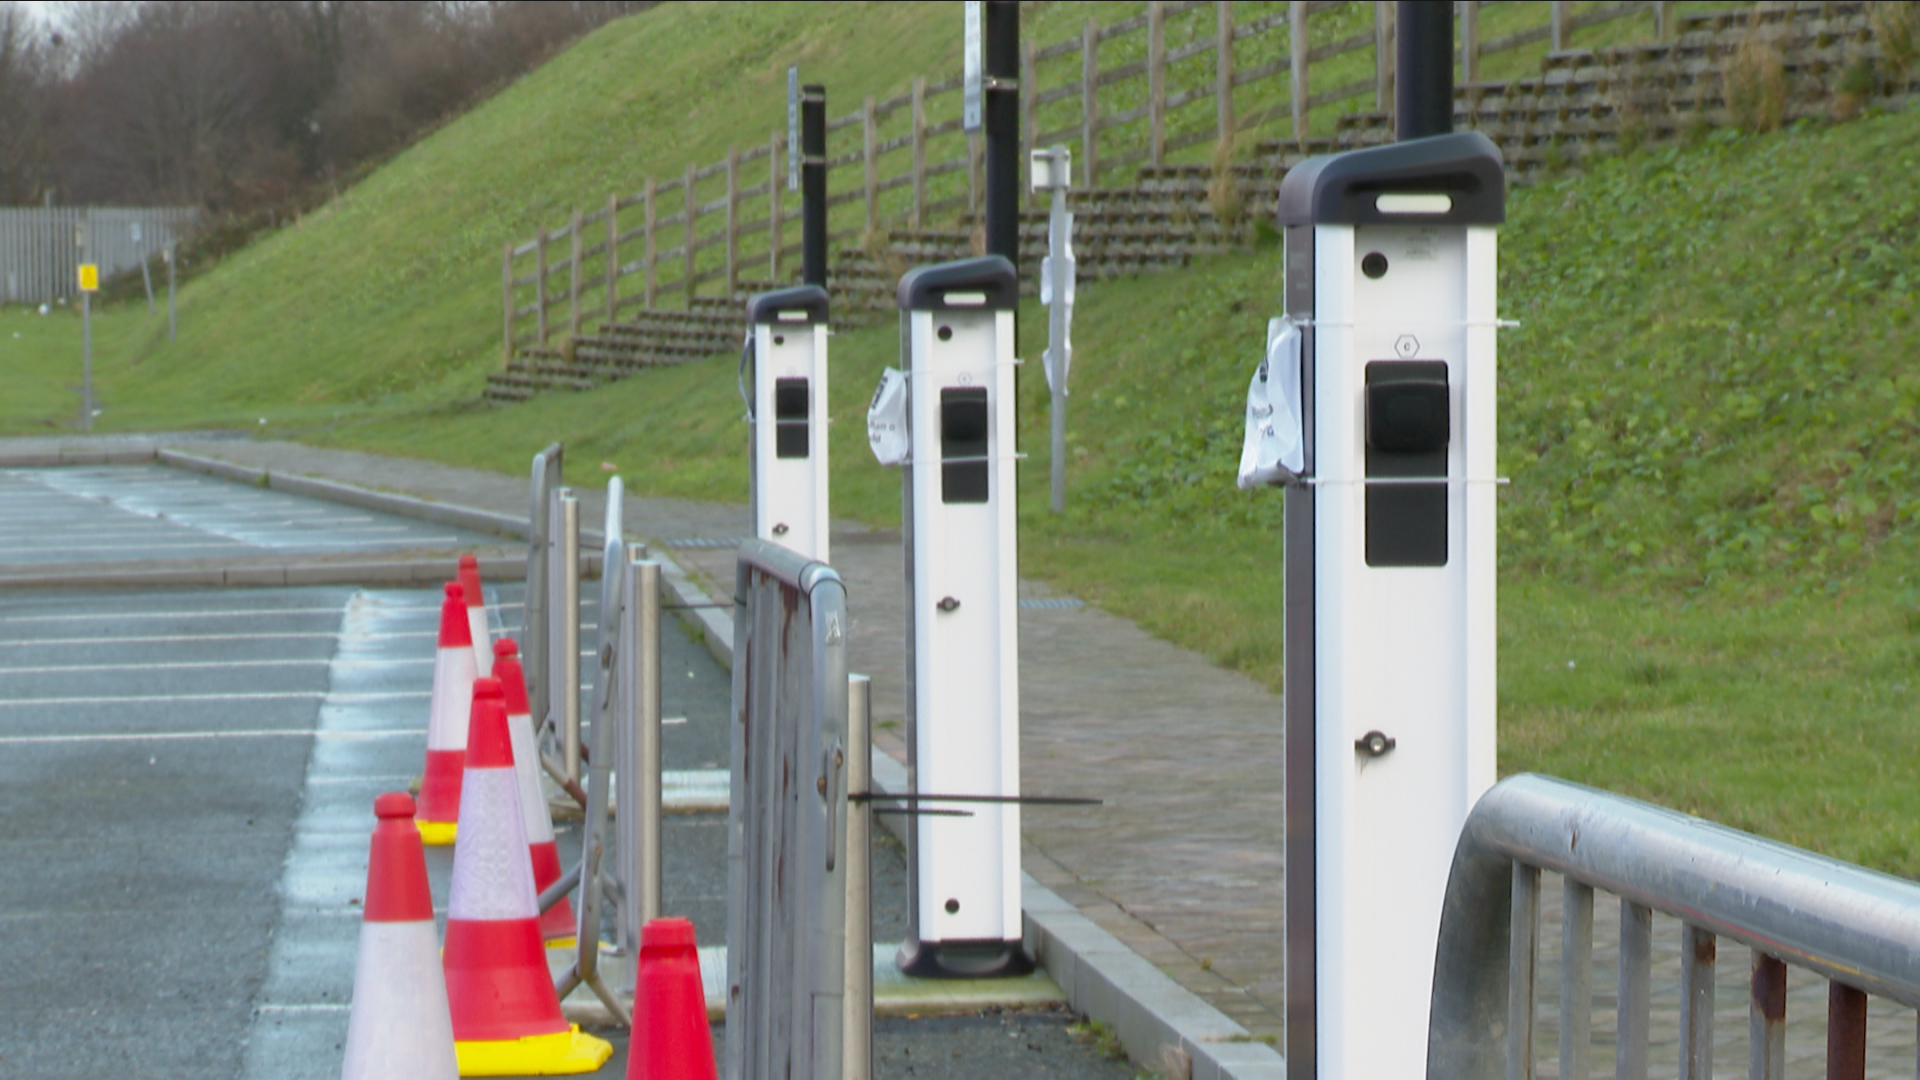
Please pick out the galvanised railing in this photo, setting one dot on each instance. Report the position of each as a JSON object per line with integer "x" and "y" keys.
{"x": 1854, "y": 927}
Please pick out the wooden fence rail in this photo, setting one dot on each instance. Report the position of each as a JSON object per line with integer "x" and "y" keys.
{"x": 1177, "y": 75}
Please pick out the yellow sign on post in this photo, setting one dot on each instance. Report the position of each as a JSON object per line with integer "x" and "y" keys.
{"x": 89, "y": 277}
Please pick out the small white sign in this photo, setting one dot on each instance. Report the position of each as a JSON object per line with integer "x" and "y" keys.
{"x": 887, "y": 434}
{"x": 972, "y": 66}
{"x": 793, "y": 128}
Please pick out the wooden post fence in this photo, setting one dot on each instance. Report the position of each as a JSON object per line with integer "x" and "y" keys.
{"x": 1469, "y": 43}
{"x": 651, "y": 255}
{"x": 870, "y": 123}
{"x": 540, "y": 284}
{"x": 776, "y": 231}
{"x": 1090, "y": 104}
{"x": 693, "y": 215}
{"x": 1383, "y": 56}
{"x": 733, "y": 220}
{"x": 1029, "y": 90}
{"x": 1156, "y": 81}
{"x": 506, "y": 297}
{"x": 613, "y": 256}
{"x": 1297, "y": 66}
{"x": 919, "y": 165}
{"x": 1223, "y": 70}
{"x": 573, "y": 281}
{"x": 1156, "y": 89}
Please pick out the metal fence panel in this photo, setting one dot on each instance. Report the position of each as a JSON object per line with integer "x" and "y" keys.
{"x": 786, "y": 885}
{"x": 1851, "y": 925}
{"x": 40, "y": 253}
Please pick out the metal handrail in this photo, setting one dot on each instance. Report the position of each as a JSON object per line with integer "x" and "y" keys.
{"x": 1856, "y": 927}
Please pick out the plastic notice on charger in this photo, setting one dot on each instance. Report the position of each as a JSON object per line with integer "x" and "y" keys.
{"x": 887, "y": 434}
{"x": 1274, "y": 451}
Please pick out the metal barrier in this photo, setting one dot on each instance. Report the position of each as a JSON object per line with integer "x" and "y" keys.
{"x": 536, "y": 623}
{"x": 786, "y": 839}
{"x": 596, "y": 879}
{"x": 1857, "y": 928}
{"x": 624, "y": 760}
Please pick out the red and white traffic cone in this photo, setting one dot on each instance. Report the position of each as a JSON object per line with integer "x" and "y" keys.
{"x": 506, "y": 1016}
{"x": 671, "y": 1040}
{"x": 452, "y": 703}
{"x": 477, "y": 628}
{"x": 558, "y": 923}
{"x": 400, "y": 1027}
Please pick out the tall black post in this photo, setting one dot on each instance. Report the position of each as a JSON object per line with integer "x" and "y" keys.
{"x": 1423, "y": 60}
{"x": 1001, "y": 72}
{"x": 813, "y": 185}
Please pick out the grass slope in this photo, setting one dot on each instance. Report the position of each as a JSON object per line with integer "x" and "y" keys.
{"x": 1708, "y": 564}
{"x": 1706, "y": 351}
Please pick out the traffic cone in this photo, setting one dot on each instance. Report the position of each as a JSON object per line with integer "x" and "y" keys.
{"x": 400, "y": 1027}
{"x": 506, "y": 1016}
{"x": 477, "y": 627}
{"x": 670, "y": 1036}
{"x": 452, "y": 702}
{"x": 558, "y": 923}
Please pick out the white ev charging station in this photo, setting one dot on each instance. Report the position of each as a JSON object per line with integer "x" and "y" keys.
{"x": 787, "y": 413}
{"x": 963, "y": 691}
{"x": 1380, "y": 386}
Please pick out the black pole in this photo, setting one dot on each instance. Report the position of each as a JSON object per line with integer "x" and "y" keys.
{"x": 1423, "y": 59}
{"x": 813, "y": 185}
{"x": 1001, "y": 69}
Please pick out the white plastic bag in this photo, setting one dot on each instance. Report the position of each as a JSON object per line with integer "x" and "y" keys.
{"x": 887, "y": 434}
{"x": 1274, "y": 451}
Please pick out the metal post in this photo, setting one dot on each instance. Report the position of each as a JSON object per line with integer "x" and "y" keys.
{"x": 1767, "y": 1019}
{"x": 568, "y": 667}
{"x": 813, "y": 185}
{"x": 1636, "y": 968}
{"x": 146, "y": 278}
{"x": 1002, "y": 118}
{"x": 536, "y": 614}
{"x": 643, "y": 582}
{"x": 1697, "y": 948}
{"x": 86, "y": 361}
{"x": 1523, "y": 941}
{"x": 857, "y": 1036}
{"x": 1576, "y": 978}
{"x": 1423, "y": 84}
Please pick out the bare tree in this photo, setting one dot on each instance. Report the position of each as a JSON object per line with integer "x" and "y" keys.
{"x": 24, "y": 80}
{"x": 243, "y": 104}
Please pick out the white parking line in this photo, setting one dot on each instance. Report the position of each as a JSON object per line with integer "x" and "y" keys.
{"x": 164, "y": 639}
{"x": 191, "y": 665}
{"x": 172, "y": 736}
{"x": 211, "y": 541}
{"x": 261, "y": 695}
{"x": 188, "y": 613}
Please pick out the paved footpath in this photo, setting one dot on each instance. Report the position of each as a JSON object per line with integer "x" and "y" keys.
{"x": 1183, "y": 862}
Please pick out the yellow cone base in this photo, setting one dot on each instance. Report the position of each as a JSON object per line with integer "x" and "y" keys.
{"x": 437, "y": 833}
{"x": 567, "y": 942}
{"x": 559, "y": 1054}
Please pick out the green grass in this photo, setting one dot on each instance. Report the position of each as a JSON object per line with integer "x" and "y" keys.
{"x": 1708, "y": 413}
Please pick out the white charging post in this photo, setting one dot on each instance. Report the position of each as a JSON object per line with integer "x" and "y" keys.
{"x": 787, "y": 415}
{"x": 963, "y": 692}
{"x": 1390, "y": 296}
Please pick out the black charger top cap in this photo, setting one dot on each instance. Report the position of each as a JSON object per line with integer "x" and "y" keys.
{"x": 1344, "y": 189}
{"x": 767, "y": 307}
{"x": 983, "y": 284}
